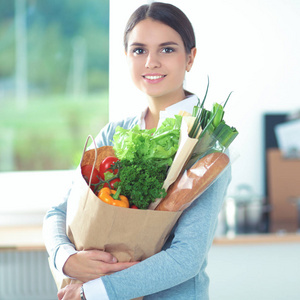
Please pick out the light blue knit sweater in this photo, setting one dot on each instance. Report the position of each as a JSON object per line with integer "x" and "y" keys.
{"x": 178, "y": 271}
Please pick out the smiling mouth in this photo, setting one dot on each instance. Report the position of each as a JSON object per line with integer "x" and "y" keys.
{"x": 154, "y": 77}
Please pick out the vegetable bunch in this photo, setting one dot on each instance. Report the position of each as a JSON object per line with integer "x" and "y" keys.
{"x": 151, "y": 145}
{"x": 210, "y": 128}
{"x": 141, "y": 181}
{"x": 142, "y": 158}
{"x": 140, "y": 165}
{"x": 145, "y": 156}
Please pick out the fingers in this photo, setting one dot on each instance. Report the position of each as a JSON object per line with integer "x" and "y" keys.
{"x": 60, "y": 294}
{"x": 102, "y": 256}
{"x": 91, "y": 264}
{"x": 102, "y": 268}
{"x": 69, "y": 292}
{"x": 109, "y": 263}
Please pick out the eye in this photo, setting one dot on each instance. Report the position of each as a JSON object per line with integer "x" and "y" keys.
{"x": 138, "y": 51}
{"x": 168, "y": 50}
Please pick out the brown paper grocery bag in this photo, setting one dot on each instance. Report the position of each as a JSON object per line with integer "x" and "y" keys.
{"x": 128, "y": 234}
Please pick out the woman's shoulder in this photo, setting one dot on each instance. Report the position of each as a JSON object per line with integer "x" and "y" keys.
{"x": 105, "y": 136}
{"x": 126, "y": 123}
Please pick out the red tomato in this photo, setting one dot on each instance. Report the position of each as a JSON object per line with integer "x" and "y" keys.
{"x": 86, "y": 173}
{"x": 106, "y": 164}
{"x": 134, "y": 206}
{"x": 111, "y": 184}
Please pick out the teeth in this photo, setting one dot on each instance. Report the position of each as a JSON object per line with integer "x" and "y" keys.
{"x": 154, "y": 77}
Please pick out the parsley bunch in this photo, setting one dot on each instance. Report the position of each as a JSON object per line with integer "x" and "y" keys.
{"x": 142, "y": 181}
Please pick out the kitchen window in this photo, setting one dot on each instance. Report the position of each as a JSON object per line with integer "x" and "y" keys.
{"x": 53, "y": 90}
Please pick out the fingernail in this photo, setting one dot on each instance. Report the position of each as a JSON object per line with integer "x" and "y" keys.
{"x": 114, "y": 260}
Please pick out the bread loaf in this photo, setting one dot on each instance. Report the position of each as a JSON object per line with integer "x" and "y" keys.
{"x": 193, "y": 182}
{"x": 102, "y": 152}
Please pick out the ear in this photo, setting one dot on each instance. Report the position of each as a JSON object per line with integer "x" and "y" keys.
{"x": 190, "y": 59}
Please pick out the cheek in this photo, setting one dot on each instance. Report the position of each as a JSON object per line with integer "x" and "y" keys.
{"x": 134, "y": 68}
{"x": 180, "y": 62}
{"x": 180, "y": 67}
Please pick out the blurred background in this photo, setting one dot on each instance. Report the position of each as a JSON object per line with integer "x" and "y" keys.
{"x": 53, "y": 81}
{"x": 63, "y": 76}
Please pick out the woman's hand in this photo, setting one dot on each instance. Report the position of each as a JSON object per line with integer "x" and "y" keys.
{"x": 91, "y": 264}
{"x": 71, "y": 292}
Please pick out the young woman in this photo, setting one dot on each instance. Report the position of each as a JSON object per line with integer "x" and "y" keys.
{"x": 160, "y": 48}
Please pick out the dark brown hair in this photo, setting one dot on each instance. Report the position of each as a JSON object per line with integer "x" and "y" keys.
{"x": 169, "y": 15}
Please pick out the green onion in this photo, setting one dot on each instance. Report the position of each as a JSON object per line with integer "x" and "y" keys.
{"x": 195, "y": 110}
{"x": 208, "y": 126}
{"x": 227, "y": 99}
{"x": 202, "y": 104}
{"x": 197, "y": 123}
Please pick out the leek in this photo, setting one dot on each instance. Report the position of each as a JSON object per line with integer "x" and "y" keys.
{"x": 225, "y": 134}
{"x": 219, "y": 113}
{"x": 215, "y": 134}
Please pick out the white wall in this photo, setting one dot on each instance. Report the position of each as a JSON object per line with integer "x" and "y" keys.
{"x": 250, "y": 47}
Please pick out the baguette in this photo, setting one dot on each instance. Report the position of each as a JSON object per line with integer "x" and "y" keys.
{"x": 193, "y": 182}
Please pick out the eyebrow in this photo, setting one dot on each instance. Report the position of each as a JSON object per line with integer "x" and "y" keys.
{"x": 160, "y": 45}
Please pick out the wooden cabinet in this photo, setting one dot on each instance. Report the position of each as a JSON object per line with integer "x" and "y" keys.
{"x": 283, "y": 190}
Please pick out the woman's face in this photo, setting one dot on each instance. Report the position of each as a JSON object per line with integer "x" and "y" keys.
{"x": 157, "y": 60}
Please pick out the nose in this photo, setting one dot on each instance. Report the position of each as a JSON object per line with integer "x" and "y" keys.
{"x": 152, "y": 61}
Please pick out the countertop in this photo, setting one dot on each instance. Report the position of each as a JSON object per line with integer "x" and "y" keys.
{"x": 258, "y": 239}
{"x": 21, "y": 238}
{"x": 29, "y": 238}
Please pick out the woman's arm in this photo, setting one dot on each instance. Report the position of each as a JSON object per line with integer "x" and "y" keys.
{"x": 54, "y": 234}
{"x": 186, "y": 255}
{"x": 57, "y": 243}
{"x": 82, "y": 265}
{"x": 85, "y": 265}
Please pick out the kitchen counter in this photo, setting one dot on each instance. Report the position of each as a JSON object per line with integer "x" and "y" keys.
{"x": 258, "y": 239}
{"x": 21, "y": 238}
{"x": 30, "y": 238}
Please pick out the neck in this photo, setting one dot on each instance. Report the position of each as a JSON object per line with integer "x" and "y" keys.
{"x": 158, "y": 104}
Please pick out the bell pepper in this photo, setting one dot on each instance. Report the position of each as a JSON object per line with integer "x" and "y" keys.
{"x": 113, "y": 197}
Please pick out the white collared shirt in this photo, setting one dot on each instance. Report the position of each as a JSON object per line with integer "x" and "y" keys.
{"x": 185, "y": 105}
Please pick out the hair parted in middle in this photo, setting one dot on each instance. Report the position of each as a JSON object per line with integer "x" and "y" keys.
{"x": 169, "y": 15}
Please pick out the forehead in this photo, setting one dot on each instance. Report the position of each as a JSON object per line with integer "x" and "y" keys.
{"x": 149, "y": 32}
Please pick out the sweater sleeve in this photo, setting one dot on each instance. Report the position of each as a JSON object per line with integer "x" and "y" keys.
{"x": 55, "y": 238}
{"x": 54, "y": 233}
{"x": 57, "y": 243}
{"x": 183, "y": 259}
